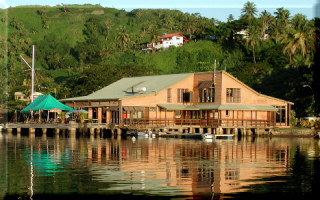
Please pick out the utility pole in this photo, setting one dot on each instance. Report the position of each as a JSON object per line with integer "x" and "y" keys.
{"x": 32, "y": 71}
{"x": 32, "y": 74}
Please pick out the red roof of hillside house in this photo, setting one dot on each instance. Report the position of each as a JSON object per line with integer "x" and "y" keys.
{"x": 169, "y": 36}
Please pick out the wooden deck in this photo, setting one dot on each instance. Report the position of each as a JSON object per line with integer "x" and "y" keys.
{"x": 58, "y": 125}
{"x": 177, "y": 131}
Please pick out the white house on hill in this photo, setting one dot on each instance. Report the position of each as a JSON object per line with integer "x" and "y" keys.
{"x": 168, "y": 40}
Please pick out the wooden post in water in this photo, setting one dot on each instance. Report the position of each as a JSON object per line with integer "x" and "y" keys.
{"x": 73, "y": 142}
{"x": 19, "y": 133}
{"x": 119, "y": 131}
{"x": 191, "y": 130}
{"x": 112, "y": 132}
{"x": 91, "y": 132}
{"x": 260, "y": 131}
{"x": 201, "y": 130}
{"x": 98, "y": 132}
{"x": 102, "y": 132}
{"x": 44, "y": 133}
{"x": 57, "y": 132}
{"x": 63, "y": 132}
{"x": 32, "y": 132}
{"x": 72, "y": 132}
{"x": 235, "y": 131}
{"x": 9, "y": 132}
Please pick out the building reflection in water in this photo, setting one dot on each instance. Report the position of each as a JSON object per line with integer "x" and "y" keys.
{"x": 156, "y": 166}
{"x": 189, "y": 165}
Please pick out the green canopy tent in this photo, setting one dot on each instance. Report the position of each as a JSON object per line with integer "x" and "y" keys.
{"x": 46, "y": 102}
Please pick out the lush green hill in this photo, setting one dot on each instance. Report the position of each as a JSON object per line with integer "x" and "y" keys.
{"x": 81, "y": 48}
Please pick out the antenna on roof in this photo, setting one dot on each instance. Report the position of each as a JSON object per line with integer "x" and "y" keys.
{"x": 214, "y": 71}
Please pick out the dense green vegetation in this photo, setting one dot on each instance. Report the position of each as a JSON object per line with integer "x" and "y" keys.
{"x": 82, "y": 48}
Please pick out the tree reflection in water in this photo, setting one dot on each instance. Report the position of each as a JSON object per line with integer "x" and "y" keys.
{"x": 302, "y": 179}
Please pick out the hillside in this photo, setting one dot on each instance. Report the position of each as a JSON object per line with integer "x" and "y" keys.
{"x": 81, "y": 48}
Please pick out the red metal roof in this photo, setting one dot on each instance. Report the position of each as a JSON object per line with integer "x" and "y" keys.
{"x": 171, "y": 35}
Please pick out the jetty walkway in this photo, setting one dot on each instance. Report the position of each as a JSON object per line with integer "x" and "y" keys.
{"x": 73, "y": 129}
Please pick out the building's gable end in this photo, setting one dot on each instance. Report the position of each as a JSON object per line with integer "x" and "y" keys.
{"x": 247, "y": 93}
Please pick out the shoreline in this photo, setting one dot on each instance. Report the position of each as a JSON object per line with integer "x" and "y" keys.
{"x": 294, "y": 132}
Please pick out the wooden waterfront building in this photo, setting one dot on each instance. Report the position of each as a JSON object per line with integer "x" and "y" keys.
{"x": 206, "y": 100}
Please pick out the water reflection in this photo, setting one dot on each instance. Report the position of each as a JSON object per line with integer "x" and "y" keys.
{"x": 158, "y": 166}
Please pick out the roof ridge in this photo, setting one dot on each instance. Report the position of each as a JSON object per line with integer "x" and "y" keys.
{"x": 185, "y": 73}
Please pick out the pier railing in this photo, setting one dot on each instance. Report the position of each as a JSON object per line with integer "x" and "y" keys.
{"x": 153, "y": 123}
{"x": 201, "y": 122}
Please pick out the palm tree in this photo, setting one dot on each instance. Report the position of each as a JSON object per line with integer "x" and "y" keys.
{"x": 230, "y": 18}
{"x": 139, "y": 13}
{"x": 279, "y": 25}
{"x": 249, "y": 11}
{"x": 283, "y": 15}
{"x": 300, "y": 36}
{"x": 108, "y": 25}
{"x": 299, "y": 22}
{"x": 189, "y": 25}
{"x": 170, "y": 22}
{"x": 123, "y": 38}
{"x": 276, "y": 30}
{"x": 288, "y": 40}
{"x": 266, "y": 20}
{"x": 253, "y": 39}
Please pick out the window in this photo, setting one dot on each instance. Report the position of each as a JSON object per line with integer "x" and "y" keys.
{"x": 195, "y": 114}
{"x": 169, "y": 97}
{"x": 186, "y": 97}
{"x": 206, "y": 92}
{"x": 137, "y": 115}
{"x": 183, "y": 95}
{"x": 228, "y": 113}
{"x": 233, "y": 95}
{"x": 203, "y": 114}
{"x": 178, "y": 114}
{"x": 281, "y": 114}
{"x": 232, "y": 174}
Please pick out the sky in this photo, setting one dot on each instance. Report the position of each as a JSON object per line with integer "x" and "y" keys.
{"x": 218, "y": 9}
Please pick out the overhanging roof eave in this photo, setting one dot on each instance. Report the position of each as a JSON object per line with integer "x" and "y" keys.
{"x": 79, "y": 100}
{"x": 218, "y": 107}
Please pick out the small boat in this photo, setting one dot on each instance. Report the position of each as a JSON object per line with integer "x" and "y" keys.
{"x": 208, "y": 136}
{"x": 317, "y": 135}
{"x": 142, "y": 134}
{"x": 225, "y": 137}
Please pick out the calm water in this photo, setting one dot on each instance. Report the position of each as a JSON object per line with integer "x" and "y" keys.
{"x": 34, "y": 168}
